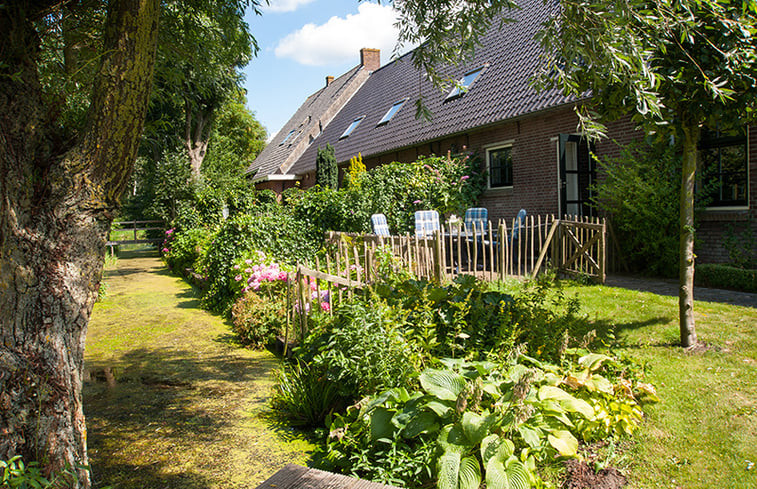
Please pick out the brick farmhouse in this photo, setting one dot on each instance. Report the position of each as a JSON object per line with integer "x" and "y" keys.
{"x": 528, "y": 140}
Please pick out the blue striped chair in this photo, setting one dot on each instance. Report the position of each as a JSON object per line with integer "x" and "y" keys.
{"x": 520, "y": 221}
{"x": 380, "y": 226}
{"x": 477, "y": 216}
{"x": 426, "y": 223}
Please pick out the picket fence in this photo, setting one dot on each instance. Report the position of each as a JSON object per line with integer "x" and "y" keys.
{"x": 573, "y": 246}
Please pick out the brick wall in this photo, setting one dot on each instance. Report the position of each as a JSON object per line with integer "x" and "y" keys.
{"x": 535, "y": 171}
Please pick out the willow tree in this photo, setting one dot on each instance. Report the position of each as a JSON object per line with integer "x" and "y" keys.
{"x": 59, "y": 187}
{"x": 676, "y": 67}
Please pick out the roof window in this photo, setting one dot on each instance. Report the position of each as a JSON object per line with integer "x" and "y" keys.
{"x": 390, "y": 113}
{"x": 351, "y": 127}
{"x": 287, "y": 138}
{"x": 464, "y": 83}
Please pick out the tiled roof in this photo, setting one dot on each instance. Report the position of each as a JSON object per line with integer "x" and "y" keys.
{"x": 501, "y": 92}
{"x": 315, "y": 113}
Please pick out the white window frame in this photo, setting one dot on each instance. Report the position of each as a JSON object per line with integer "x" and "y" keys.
{"x": 489, "y": 150}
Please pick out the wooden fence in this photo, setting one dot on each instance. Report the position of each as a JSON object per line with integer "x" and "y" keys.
{"x": 572, "y": 246}
{"x": 135, "y": 227}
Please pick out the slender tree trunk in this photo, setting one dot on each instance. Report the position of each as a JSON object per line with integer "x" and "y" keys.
{"x": 56, "y": 205}
{"x": 686, "y": 248}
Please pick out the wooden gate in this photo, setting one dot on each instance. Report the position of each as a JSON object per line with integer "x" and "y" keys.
{"x": 576, "y": 247}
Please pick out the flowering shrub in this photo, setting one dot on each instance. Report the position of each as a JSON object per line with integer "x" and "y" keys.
{"x": 262, "y": 274}
{"x": 277, "y": 234}
{"x": 257, "y": 319}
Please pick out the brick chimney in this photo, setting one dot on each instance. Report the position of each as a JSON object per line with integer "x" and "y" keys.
{"x": 370, "y": 58}
{"x": 329, "y": 79}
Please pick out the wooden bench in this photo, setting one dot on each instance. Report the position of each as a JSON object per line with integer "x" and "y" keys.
{"x": 297, "y": 477}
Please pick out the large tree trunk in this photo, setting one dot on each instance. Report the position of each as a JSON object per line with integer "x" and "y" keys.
{"x": 196, "y": 138}
{"x": 686, "y": 248}
{"x": 57, "y": 199}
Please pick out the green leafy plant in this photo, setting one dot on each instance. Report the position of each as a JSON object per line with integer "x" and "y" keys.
{"x": 726, "y": 277}
{"x": 303, "y": 396}
{"x": 490, "y": 422}
{"x": 361, "y": 350}
{"x": 18, "y": 475}
{"x": 256, "y": 319}
{"x": 326, "y": 170}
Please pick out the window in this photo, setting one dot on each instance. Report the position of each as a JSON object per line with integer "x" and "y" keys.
{"x": 500, "y": 165}
{"x": 287, "y": 138}
{"x": 351, "y": 128}
{"x": 723, "y": 169}
{"x": 464, "y": 84}
{"x": 390, "y": 113}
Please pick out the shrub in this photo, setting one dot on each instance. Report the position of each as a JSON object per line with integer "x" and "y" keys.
{"x": 279, "y": 235}
{"x": 326, "y": 170}
{"x": 185, "y": 248}
{"x": 726, "y": 277}
{"x": 303, "y": 396}
{"x": 465, "y": 319}
{"x": 361, "y": 350}
{"x": 257, "y": 320}
{"x": 639, "y": 192}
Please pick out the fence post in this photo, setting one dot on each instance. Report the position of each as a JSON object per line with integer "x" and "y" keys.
{"x": 438, "y": 256}
{"x": 603, "y": 253}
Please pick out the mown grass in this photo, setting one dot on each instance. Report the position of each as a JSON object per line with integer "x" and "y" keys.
{"x": 172, "y": 401}
{"x": 704, "y": 432}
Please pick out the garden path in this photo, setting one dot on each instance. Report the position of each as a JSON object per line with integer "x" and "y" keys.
{"x": 669, "y": 287}
{"x": 171, "y": 401}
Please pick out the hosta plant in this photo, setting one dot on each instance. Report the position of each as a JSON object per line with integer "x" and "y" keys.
{"x": 488, "y": 422}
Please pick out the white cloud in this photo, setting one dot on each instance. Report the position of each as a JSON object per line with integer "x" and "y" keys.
{"x": 283, "y": 5}
{"x": 340, "y": 39}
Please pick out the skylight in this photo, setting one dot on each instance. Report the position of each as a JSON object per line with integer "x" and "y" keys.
{"x": 464, "y": 84}
{"x": 390, "y": 113}
{"x": 351, "y": 128}
{"x": 287, "y": 138}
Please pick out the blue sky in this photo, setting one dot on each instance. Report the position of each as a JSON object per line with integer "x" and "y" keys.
{"x": 303, "y": 41}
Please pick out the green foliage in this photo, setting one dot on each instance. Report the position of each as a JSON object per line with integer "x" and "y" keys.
{"x": 640, "y": 192}
{"x": 465, "y": 319}
{"x": 322, "y": 208}
{"x": 726, "y": 277}
{"x": 303, "y": 396}
{"x": 257, "y": 320}
{"x": 278, "y": 235}
{"x": 360, "y": 350}
{"x": 185, "y": 248}
{"x": 18, "y": 475}
{"x": 741, "y": 246}
{"x": 492, "y": 422}
{"x": 326, "y": 169}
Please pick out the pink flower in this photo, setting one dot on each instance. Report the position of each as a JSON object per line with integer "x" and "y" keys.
{"x": 325, "y": 306}
{"x": 165, "y": 250}
{"x": 247, "y": 270}
{"x": 283, "y": 276}
{"x": 416, "y": 202}
{"x": 235, "y": 267}
{"x": 170, "y": 231}
{"x": 248, "y": 261}
{"x": 465, "y": 177}
{"x": 238, "y": 278}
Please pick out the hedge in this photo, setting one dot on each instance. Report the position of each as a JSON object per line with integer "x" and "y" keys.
{"x": 726, "y": 277}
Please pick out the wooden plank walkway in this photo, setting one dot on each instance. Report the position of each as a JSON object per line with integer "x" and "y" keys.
{"x": 297, "y": 477}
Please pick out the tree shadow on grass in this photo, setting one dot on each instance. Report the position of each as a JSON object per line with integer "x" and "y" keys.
{"x": 610, "y": 332}
{"x": 128, "y": 476}
{"x": 155, "y": 412}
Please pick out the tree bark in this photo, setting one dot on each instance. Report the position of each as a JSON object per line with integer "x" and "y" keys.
{"x": 686, "y": 247}
{"x": 57, "y": 198}
{"x": 197, "y": 143}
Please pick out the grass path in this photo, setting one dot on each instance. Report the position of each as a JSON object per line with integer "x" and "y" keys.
{"x": 171, "y": 401}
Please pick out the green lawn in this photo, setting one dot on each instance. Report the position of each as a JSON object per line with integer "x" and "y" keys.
{"x": 704, "y": 432}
